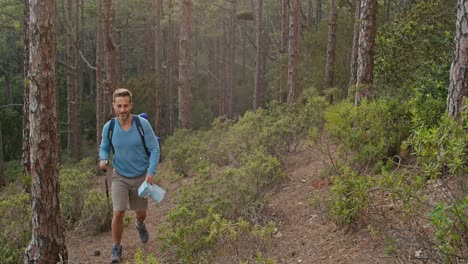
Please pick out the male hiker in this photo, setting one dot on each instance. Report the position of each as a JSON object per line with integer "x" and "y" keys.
{"x": 136, "y": 156}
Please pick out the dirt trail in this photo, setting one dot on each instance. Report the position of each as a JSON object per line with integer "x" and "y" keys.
{"x": 304, "y": 234}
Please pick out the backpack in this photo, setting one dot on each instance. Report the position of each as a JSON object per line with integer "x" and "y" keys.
{"x": 110, "y": 132}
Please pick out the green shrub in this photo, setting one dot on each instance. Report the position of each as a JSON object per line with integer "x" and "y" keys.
{"x": 15, "y": 231}
{"x": 368, "y": 133}
{"x": 74, "y": 183}
{"x": 349, "y": 196}
{"x": 450, "y": 221}
{"x": 139, "y": 258}
{"x": 96, "y": 215}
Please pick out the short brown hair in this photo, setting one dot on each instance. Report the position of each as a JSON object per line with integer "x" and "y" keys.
{"x": 122, "y": 92}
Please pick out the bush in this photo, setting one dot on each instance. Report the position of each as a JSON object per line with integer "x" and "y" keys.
{"x": 15, "y": 231}
{"x": 75, "y": 182}
{"x": 349, "y": 196}
{"x": 96, "y": 215}
{"x": 367, "y": 133}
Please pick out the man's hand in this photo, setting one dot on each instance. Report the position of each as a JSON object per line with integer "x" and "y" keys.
{"x": 149, "y": 179}
{"x": 104, "y": 165}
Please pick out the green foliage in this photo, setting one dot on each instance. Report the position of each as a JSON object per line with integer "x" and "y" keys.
{"x": 139, "y": 258}
{"x": 441, "y": 148}
{"x": 15, "y": 223}
{"x": 96, "y": 215}
{"x": 11, "y": 129}
{"x": 12, "y": 171}
{"x": 368, "y": 133}
{"x": 413, "y": 54}
{"x": 450, "y": 221}
{"x": 75, "y": 182}
{"x": 349, "y": 196}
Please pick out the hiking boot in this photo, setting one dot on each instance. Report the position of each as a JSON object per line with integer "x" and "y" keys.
{"x": 144, "y": 236}
{"x": 116, "y": 253}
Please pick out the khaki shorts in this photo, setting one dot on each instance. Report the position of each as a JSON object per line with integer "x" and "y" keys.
{"x": 125, "y": 190}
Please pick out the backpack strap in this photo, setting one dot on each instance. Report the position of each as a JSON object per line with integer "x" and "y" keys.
{"x": 110, "y": 132}
{"x": 141, "y": 132}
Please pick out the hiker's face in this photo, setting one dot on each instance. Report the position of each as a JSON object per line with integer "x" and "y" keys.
{"x": 122, "y": 107}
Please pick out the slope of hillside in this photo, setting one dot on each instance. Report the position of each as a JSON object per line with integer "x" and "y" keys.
{"x": 304, "y": 234}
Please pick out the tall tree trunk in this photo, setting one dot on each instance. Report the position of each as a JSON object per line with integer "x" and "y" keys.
{"x": 259, "y": 98}
{"x": 185, "y": 61}
{"x": 48, "y": 241}
{"x": 26, "y": 147}
{"x": 310, "y": 17}
{"x": 78, "y": 83}
{"x": 387, "y": 10}
{"x": 71, "y": 82}
{"x": 170, "y": 68}
{"x": 284, "y": 25}
{"x": 293, "y": 61}
{"x": 354, "y": 48}
{"x": 100, "y": 52}
{"x": 318, "y": 14}
{"x": 109, "y": 61}
{"x": 224, "y": 71}
{"x": 9, "y": 89}
{"x": 365, "y": 73}
{"x": 330, "y": 66}
{"x": 459, "y": 69}
{"x": 2, "y": 175}
{"x": 157, "y": 68}
{"x": 232, "y": 59}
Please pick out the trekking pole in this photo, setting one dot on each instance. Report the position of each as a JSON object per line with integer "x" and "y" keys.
{"x": 107, "y": 186}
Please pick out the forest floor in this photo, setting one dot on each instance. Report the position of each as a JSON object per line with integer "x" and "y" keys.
{"x": 305, "y": 234}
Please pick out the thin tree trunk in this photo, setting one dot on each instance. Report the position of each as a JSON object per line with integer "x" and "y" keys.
{"x": 232, "y": 59}
{"x": 100, "y": 112}
{"x": 354, "y": 48}
{"x": 284, "y": 25}
{"x": 170, "y": 68}
{"x": 70, "y": 81}
{"x": 26, "y": 147}
{"x": 110, "y": 52}
{"x": 365, "y": 73}
{"x": 293, "y": 89}
{"x": 330, "y": 65}
{"x": 459, "y": 69}
{"x": 310, "y": 17}
{"x": 259, "y": 98}
{"x": 318, "y": 14}
{"x": 157, "y": 75}
{"x": 224, "y": 71}
{"x": 9, "y": 89}
{"x": 48, "y": 241}
{"x": 78, "y": 84}
{"x": 185, "y": 61}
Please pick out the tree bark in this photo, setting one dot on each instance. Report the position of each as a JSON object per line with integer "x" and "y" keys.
{"x": 259, "y": 98}
{"x": 157, "y": 68}
{"x": 48, "y": 241}
{"x": 354, "y": 48}
{"x": 26, "y": 149}
{"x": 459, "y": 68}
{"x": 365, "y": 72}
{"x": 78, "y": 84}
{"x": 185, "y": 61}
{"x": 100, "y": 51}
{"x": 293, "y": 61}
{"x": 330, "y": 65}
{"x": 170, "y": 69}
{"x": 109, "y": 61}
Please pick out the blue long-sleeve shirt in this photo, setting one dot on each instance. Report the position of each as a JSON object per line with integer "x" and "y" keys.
{"x": 130, "y": 158}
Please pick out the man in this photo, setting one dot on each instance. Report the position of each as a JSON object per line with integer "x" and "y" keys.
{"x": 132, "y": 166}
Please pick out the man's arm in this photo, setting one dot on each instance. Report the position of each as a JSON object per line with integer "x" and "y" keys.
{"x": 104, "y": 148}
{"x": 153, "y": 147}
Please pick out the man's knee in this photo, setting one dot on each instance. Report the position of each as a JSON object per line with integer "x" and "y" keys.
{"x": 119, "y": 215}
